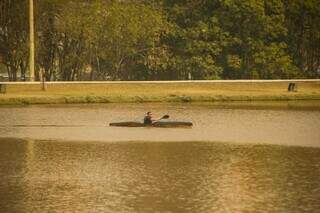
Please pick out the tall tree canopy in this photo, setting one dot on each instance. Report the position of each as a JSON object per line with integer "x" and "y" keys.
{"x": 164, "y": 39}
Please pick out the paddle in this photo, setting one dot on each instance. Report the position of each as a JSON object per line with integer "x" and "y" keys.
{"x": 165, "y": 117}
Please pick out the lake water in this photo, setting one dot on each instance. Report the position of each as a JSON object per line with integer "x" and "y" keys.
{"x": 211, "y": 123}
{"x": 67, "y": 159}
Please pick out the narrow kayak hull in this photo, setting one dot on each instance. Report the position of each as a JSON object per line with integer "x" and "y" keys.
{"x": 168, "y": 124}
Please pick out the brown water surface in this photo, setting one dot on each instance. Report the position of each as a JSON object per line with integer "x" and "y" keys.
{"x": 60, "y": 176}
{"x": 74, "y": 162}
{"x": 211, "y": 123}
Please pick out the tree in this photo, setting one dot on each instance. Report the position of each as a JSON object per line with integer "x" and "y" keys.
{"x": 303, "y": 24}
{"x": 196, "y": 40}
{"x": 14, "y": 37}
{"x": 165, "y": 39}
{"x": 257, "y": 32}
{"x": 124, "y": 35}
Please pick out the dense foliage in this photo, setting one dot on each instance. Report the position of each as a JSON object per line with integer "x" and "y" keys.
{"x": 163, "y": 39}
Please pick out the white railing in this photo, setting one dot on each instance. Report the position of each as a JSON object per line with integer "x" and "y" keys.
{"x": 163, "y": 82}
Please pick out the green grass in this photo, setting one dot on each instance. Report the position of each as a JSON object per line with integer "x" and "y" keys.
{"x": 164, "y": 92}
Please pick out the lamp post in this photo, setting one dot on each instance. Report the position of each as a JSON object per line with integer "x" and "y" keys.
{"x": 31, "y": 34}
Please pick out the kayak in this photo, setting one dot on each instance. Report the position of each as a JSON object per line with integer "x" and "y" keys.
{"x": 168, "y": 124}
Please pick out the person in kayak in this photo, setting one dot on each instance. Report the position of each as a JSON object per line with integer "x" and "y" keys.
{"x": 149, "y": 119}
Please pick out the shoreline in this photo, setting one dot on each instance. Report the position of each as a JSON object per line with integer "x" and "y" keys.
{"x": 101, "y": 99}
{"x": 25, "y": 93}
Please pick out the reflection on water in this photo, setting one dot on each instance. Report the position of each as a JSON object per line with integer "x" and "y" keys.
{"x": 60, "y": 176}
{"x": 211, "y": 123}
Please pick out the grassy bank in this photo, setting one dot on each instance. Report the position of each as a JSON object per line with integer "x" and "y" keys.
{"x": 60, "y": 93}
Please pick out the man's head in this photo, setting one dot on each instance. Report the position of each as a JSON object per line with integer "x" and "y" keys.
{"x": 149, "y": 113}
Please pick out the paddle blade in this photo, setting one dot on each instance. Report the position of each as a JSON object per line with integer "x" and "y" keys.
{"x": 165, "y": 117}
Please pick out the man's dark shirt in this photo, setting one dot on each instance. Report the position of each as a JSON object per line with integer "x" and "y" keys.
{"x": 147, "y": 120}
